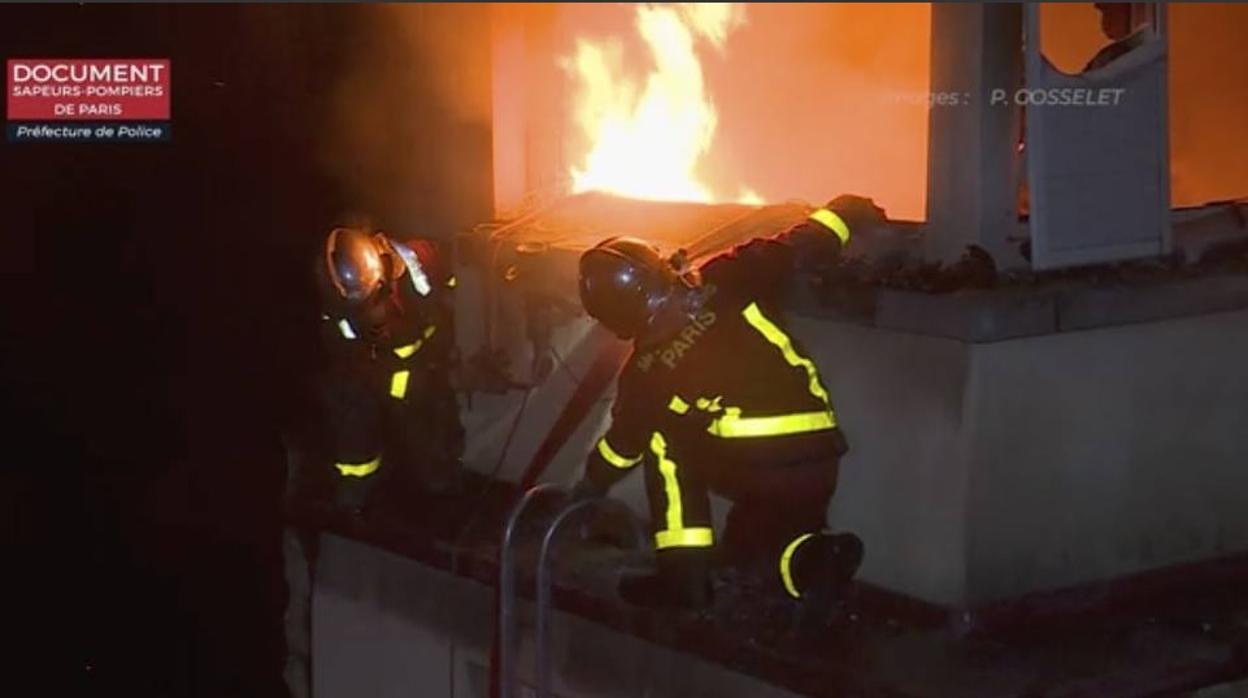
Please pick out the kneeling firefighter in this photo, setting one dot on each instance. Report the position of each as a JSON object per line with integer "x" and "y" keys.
{"x": 392, "y": 411}
{"x": 718, "y": 396}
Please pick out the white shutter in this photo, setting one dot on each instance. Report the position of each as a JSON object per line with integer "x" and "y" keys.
{"x": 1099, "y": 176}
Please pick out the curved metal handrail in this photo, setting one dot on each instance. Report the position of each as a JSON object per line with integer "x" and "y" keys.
{"x": 544, "y": 582}
{"x": 507, "y": 589}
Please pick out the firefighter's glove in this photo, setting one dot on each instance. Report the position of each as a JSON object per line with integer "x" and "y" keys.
{"x": 821, "y": 243}
{"x": 859, "y": 213}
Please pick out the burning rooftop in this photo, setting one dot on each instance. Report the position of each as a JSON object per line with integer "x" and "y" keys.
{"x": 1005, "y": 453}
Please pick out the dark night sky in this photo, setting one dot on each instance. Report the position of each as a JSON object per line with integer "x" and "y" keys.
{"x": 158, "y": 325}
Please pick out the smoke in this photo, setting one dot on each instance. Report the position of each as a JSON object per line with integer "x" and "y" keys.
{"x": 820, "y": 99}
{"x": 409, "y": 136}
{"x": 1208, "y": 102}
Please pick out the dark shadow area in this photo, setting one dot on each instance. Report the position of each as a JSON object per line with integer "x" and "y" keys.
{"x": 158, "y": 321}
{"x": 161, "y": 319}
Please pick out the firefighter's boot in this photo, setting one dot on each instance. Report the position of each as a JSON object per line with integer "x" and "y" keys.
{"x": 822, "y": 569}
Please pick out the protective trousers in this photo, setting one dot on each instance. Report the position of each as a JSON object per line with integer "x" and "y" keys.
{"x": 775, "y": 528}
{"x": 383, "y": 443}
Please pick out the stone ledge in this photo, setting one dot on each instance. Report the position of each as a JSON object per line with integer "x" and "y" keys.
{"x": 984, "y": 316}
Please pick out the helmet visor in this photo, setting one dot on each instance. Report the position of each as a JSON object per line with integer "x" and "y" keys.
{"x": 619, "y": 293}
{"x": 355, "y": 264}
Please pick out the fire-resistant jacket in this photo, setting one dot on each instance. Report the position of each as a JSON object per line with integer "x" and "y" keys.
{"x": 733, "y": 386}
{"x": 417, "y": 335}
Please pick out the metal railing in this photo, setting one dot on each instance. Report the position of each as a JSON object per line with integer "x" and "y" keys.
{"x": 507, "y": 585}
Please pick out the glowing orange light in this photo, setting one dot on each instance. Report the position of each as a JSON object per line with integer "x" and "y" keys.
{"x": 647, "y": 137}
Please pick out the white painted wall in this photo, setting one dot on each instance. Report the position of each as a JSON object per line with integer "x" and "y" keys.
{"x": 1107, "y": 452}
{"x": 983, "y": 472}
{"x": 384, "y": 625}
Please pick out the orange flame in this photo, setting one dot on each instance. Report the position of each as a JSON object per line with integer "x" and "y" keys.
{"x": 648, "y": 137}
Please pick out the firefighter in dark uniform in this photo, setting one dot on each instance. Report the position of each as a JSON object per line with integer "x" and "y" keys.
{"x": 1123, "y": 32}
{"x": 719, "y": 396}
{"x": 392, "y": 411}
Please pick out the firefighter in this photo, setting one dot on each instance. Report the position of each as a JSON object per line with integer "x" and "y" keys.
{"x": 719, "y": 396}
{"x": 1118, "y": 25}
{"x": 393, "y": 414}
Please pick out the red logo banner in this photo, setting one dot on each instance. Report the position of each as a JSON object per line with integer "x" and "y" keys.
{"x": 75, "y": 89}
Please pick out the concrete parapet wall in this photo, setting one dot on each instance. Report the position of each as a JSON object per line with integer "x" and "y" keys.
{"x": 385, "y": 625}
{"x": 980, "y": 472}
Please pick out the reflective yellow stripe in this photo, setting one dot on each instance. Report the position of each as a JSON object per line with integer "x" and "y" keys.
{"x": 776, "y": 336}
{"x": 359, "y": 469}
{"x": 696, "y": 537}
{"x": 671, "y": 486}
{"x": 614, "y": 458}
{"x": 345, "y": 328}
{"x": 731, "y": 425}
{"x": 452, "y": 282}
{"x": 832, "y": 222}
{"x": 786, "y": 565}
{"x": 709, "y": 405}
{"x": 679, "y": 406}
{"x": 398, "y": 384}
{"x": 675, "y": 534}
{"x": 406, "y": 351}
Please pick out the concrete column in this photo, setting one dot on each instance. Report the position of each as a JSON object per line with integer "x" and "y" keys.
{"x": 972, "y": 181}
{"x": 510, "y": 110}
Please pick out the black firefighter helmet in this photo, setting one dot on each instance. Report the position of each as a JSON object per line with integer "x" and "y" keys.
{"x": 624, "y": 282}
